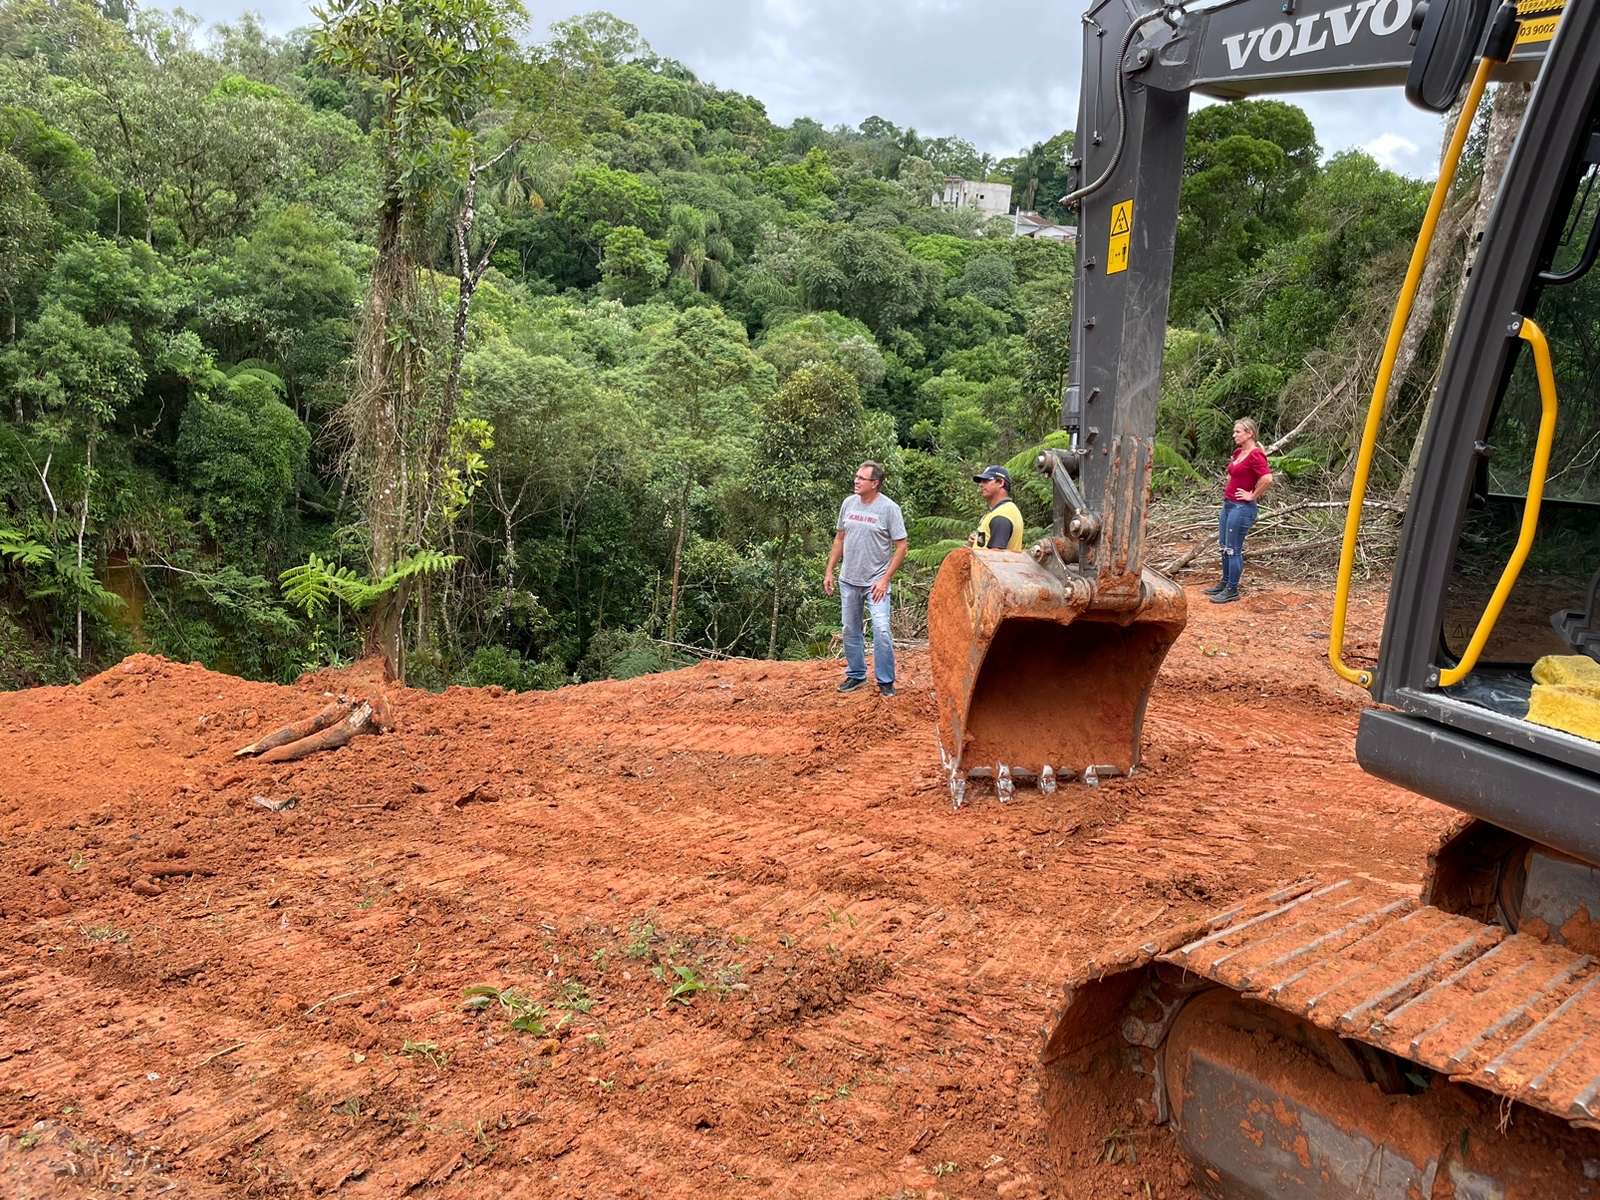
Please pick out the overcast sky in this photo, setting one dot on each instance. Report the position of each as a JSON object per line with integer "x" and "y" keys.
{"x": 1001, "y": 78}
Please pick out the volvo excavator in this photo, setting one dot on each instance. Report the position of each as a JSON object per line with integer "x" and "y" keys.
{"x": 1341, "y": 1037}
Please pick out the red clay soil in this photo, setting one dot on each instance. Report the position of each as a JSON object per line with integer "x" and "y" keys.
{"x": 203, "y": 997}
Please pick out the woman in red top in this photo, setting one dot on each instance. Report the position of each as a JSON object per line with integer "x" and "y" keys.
{"x": 1248, "y": 476}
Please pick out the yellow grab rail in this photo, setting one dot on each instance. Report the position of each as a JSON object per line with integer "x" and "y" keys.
{"x": 1391, "y": 349}
{"x": 1534, "y": 336}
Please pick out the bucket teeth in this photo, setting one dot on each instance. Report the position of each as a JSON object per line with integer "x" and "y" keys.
{"x": 1007, "y": 778}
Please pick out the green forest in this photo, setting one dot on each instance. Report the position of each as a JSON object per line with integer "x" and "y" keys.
{"x": 527, "y": 357}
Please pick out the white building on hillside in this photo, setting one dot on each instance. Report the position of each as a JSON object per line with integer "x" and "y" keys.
{"x": 1032, "y": 225}
{"x": 991, "y": 199}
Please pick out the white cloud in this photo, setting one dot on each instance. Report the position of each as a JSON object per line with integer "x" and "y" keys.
{"x": 1391, "y": 150}
{"x": 791, "y": 12}
{"x": 1379, "y": 121}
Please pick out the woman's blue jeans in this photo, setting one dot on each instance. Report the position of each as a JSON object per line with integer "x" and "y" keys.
{"x": 1237, "y": 517}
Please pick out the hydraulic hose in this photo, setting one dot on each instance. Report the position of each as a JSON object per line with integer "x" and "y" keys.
{"x": 1139, "y": 23}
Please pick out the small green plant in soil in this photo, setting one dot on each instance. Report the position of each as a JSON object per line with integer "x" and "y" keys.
{"x": 639, "y": 935}
{"x": 572, "y": 995}
{"x": 428, "y": 1050}
{"x": 684, "y": 988}
{"x": 522, "y": 1013}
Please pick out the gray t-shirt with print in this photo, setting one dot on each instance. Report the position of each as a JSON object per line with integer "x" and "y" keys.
{"x": 870, "y": 532}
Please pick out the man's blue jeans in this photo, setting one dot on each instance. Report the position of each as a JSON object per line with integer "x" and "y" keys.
{"x": 1237, "y": 517}
{"x": 853, "y": 599}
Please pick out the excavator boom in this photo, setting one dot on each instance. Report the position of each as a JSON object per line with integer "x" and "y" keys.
{"x": 1045, "y": 658}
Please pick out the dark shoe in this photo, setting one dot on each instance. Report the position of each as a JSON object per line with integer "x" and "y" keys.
{"x": 887, "y": 689}
{"x": 1216, "y": 589}
{"x": 1226, "y": 596}
{"x": 850, "y": 685}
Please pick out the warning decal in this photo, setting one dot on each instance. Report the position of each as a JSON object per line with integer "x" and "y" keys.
{"x": 1539, "y": 20}
{"x": 1121, "y": 235}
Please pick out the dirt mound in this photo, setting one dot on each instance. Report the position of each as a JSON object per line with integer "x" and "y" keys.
{"x": 723, "y": 932}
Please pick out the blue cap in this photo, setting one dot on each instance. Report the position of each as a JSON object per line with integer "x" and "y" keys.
{"x": 1000, "y": 473}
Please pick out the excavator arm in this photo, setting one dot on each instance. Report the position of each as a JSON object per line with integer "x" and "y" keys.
{"x": 1044, "y": 659}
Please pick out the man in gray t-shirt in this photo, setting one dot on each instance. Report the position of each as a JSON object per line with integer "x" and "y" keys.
{"x": 871, "y": 539}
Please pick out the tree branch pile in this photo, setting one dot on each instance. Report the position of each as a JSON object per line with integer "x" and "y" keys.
{"x": 334, "y": 726}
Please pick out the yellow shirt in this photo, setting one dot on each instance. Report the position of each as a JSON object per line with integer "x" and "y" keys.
{"x": 1012, "y": 513}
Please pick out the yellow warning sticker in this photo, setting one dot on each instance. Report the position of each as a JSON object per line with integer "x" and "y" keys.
{"x": 1121, "y": 235}
{"x": 1540, "y": 30}
{"x": 1539, "y": 20}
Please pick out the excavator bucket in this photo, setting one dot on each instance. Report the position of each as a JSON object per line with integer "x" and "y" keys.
{"x": 1031, "y": 673}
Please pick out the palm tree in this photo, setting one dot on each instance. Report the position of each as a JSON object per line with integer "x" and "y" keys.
{"x": 697, "y": 248}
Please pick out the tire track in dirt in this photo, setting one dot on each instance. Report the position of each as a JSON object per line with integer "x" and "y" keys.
{"x": 875, "y": 968}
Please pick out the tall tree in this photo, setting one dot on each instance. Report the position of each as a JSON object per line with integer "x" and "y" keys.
{"x": 699, "y": 378}
{"x": 697, "y": 249}
{"x": 1505, "y": 120}
{"x": 453, "y": 95}
{"x": 808, "y": 438}
{"x": 1247, "y": 166}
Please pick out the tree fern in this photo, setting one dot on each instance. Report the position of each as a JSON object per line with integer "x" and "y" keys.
{"x": 1170, "y": 462}
{"x": 940, "y": 528}
{"x": 81, "y": 581}
{"x": 428, "y": 562}
{"x": 257, "y": 368}
{"x": 932, "y": 556}
{"x": 313, "y": 584}
{"x": 1025, "y": 477}
{"x": 1022, "y": 468}
{"x": 22, "y": 550}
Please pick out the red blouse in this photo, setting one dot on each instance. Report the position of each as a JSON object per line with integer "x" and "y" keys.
{"x": 1244, "y": 473}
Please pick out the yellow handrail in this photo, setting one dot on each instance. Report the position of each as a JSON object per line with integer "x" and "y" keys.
{"x": 1391, "y": 349}
{"x": 1534, "y": 336}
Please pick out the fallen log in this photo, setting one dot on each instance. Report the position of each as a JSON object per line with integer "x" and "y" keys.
{"x": 358, "y": 722}
{"x": 304, "y": 728}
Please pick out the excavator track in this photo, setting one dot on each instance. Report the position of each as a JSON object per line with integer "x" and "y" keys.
{"x": 1402, "y": 999}
{"x": 1510, "y": 1014}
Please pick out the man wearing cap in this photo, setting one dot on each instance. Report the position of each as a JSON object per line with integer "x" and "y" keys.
{"x": 1001, "y": 527}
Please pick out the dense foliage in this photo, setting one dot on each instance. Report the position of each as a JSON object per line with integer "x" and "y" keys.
{"x": 547, "y": 359}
